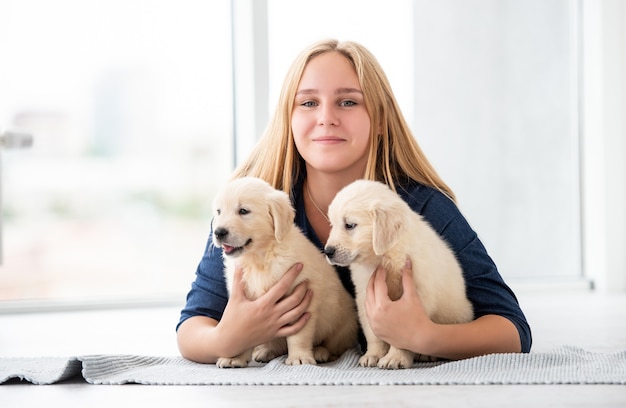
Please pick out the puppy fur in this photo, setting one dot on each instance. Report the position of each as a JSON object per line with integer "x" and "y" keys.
{"x": 372, "y": 225}
{"x": 253, "y": 224}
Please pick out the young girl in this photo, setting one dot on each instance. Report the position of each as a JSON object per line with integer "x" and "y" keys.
{"x": 338, "y": 121}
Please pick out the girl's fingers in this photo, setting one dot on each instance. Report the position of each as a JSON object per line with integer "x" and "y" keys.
{"x": 294, "y": 299}
{"x": 377, "y": 286}
{"x": 290, "y": 316}
{"x": 295, "y": 327}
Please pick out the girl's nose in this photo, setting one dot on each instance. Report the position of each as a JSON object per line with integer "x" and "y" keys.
{"x": 328, "y": 116}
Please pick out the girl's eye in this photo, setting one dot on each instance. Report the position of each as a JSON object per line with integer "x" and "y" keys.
{"x": 244, "y": 211}
{"x": 308, "y": 104}
{"x": 347, "y": 104}
{"x": 350, "y": 226}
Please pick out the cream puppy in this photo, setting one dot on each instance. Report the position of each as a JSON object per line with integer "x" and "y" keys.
{"x": 253, "y": 224}
{"x": 372, "y": 225}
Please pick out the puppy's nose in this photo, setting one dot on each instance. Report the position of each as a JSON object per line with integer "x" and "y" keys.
{"x": 221, "y": 233}
{"x": 330, "y": 251}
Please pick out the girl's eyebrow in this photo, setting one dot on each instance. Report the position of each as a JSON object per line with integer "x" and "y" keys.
{"x": 338, "y": 91}
{"x": 348, "y": 90}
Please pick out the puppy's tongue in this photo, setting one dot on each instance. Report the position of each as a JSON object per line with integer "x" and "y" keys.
{"x": 228, "y": 249}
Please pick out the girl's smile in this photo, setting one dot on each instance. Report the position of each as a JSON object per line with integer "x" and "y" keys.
{"x": 330, "y": 122}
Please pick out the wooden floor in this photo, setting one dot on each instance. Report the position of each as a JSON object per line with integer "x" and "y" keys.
{"x": 592, "y": 321}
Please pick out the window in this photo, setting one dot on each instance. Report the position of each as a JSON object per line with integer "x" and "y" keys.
{"x": 129, "y": 103}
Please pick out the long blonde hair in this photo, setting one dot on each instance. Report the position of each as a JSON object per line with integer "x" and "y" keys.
{"x": 394, "y": 154}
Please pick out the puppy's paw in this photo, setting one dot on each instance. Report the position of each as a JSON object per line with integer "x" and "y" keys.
{"x": 265, "y": 354}
{"x": 322, "y": 355}
{"x": 300, "y": 359}
{"x": 234, "y": 362}
{"x": 396, "y": 359}
{"x": 369, "y": 360}
{"x": 393, "y": 363}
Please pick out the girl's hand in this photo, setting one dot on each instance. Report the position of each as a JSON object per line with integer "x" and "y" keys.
{"x": 402, "y": 323}
{"x": 247, "y": 323}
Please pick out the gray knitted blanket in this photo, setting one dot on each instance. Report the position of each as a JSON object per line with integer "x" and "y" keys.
{"x": 564, "y": 365}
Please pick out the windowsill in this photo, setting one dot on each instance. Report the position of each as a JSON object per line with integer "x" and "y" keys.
{"x": 91, "y": 303}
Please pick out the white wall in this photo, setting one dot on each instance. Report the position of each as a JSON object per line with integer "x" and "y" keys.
{"x": 496, "y": 108}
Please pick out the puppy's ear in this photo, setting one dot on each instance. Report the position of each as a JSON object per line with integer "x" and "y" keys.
{"x": 387, "y": 228}
{"x": 282, "y": 214}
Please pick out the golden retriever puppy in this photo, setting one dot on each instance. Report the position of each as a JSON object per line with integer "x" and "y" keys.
{"x": 253, "y": 223}
{"x": 372, "y": 225}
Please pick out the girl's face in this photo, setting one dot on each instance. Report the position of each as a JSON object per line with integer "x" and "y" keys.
{"x": 330, "y": 124}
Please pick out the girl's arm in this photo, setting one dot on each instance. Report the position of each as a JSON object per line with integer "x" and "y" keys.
{"x": 246, "y": 323}
{"x": 404, "y": 324}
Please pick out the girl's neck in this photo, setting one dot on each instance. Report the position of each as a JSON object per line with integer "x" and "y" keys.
{"x": 318, "y": 192}
{"x": 323, "y": 188}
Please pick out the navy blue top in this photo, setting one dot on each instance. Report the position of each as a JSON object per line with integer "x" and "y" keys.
{"x": 485, "y": 287}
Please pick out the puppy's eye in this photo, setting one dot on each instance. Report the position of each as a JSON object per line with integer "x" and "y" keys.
{"x": 218, "y": 211}
{"x": 244, "y": 211}
{"x": 350, "y": 226}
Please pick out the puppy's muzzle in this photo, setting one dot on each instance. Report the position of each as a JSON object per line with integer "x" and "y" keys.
{"x": 332, "y": 255}
{"x": 220, "y": 233}
{"x": 336, "y": 255}
{"x": 228, "y": 242}
{"x": 329, "y": 251}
